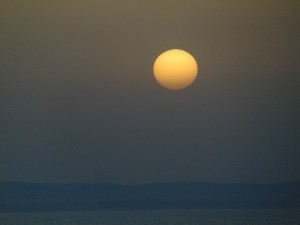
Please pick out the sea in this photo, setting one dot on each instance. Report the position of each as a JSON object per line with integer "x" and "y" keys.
{"x": 159, "y": 217}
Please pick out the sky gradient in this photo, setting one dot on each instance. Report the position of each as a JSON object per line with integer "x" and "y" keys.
{"x": 79, "y": 102}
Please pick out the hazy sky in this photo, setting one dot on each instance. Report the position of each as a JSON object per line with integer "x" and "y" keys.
{"x": 79, "y": 102}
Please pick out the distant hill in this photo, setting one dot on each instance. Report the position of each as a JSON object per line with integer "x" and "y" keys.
{"x": 21, "y": 197}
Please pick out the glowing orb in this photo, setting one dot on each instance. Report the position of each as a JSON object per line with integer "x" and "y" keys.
{"x": 175, "y": 69}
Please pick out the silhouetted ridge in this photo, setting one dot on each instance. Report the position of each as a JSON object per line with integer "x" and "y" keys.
{"x": 16, "y": 196}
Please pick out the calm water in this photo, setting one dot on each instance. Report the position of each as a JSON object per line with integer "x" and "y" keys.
{"x": 180, "y": 217}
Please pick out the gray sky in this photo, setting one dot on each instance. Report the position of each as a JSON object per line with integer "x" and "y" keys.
{"x": 79, "y": 102}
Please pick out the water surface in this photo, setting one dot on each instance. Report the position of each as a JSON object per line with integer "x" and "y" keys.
{"x": 163, "y": 217}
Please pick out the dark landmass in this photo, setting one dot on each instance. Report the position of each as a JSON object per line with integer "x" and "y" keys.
{"x": 27, "y": 197}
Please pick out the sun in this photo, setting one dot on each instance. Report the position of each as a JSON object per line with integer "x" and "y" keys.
{"x": 175, "y": 69}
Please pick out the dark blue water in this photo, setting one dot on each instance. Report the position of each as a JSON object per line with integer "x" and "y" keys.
{"x": 174, "y": 217}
